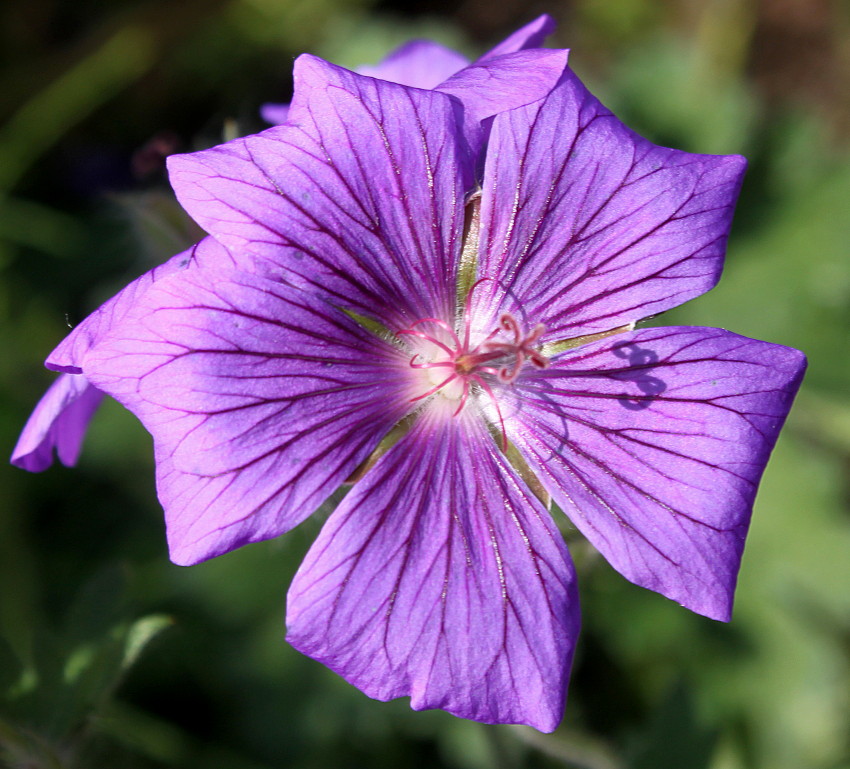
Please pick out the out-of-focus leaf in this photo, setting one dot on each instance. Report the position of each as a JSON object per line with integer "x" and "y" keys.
{"x": 824, "y": 420}
{"x": 28, "y": 223}
{"x": 159, "y": 226}
{"x": 22, "y": 749}
{"x": 570, "y": 747}
{"x": 621, "y": 21}
{"x": 140, "y": 634}
{"x": 287, "y": 23}
{"x": 150, "y": 736}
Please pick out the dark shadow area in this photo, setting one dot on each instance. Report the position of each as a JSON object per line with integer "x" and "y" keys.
{"x": 641, "y": 361}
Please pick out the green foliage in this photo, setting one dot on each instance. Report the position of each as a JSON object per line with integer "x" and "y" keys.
{"x": 54, "y": 701}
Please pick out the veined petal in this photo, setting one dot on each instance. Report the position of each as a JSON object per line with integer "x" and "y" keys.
{"x": 502, "y": 83}
{"x": 653, "y": 444}
{"x": 69, "y": 354}
{"x": 259, "y": 391}
{"x": 360, "y": 195}
{"x": 59, "y": 422}
{"x": 532, "y": 35}
{"x": 441, "y": 576}
{"x": 585, "y": 226}
{"x": 419, "y": 64}
{"x": 209, "y": 515}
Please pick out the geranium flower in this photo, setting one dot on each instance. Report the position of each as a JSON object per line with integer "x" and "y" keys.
{"x": 436, "y": 291}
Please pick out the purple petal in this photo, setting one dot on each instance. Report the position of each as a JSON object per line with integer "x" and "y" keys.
{"x": 532, "y": 35}
{"x": 69, "y": 354}
{"x": 268, "y": 397}
{"x": 275, "y": 114}
{"x": 440, "y": 576}
{"x": 418, "y": 64}
{"x": 59, "y": 422}
{"x": 653, "y": 444}
{"x": 586, "y": 226}
{"x": 360, "y": 195}
{"x": 503, "y": 83}
{"x": 209, "y": 515}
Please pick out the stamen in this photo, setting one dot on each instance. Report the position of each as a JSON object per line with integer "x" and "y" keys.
{"x": 434, "y": 389}
{"x": 489, "y": 392}
{"x": 429, "y": 364}
{"x": 427, "y": 338}
{"x": 442, "y": 324}
{"x": 508, "y": 322}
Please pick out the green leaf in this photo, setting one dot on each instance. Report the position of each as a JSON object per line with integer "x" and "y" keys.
{"x": 140, "y": 634}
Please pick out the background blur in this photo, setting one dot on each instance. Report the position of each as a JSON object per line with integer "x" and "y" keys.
{"x": 112, "y": 658}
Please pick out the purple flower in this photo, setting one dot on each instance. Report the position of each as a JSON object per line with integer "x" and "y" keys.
{"x": 437, "y": 290}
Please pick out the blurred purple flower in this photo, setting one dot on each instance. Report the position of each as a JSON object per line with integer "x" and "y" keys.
{"x": 369, "y": 294}
{"x": 59, "y": 422}
{"x": 426, "y": 64}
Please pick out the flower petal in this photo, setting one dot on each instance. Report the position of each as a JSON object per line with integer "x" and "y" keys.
{"x": 532, "y": 35}
{"x": 265, "y": 395}
{"x": 585, "y": 226}
{"x": 209, "y": 515}
{"x": 653, "y": 444}
{"x": 418, "y": 64}
{"x": 59, "y": 422}
{"x": 440, "y": 576}
{"x": 360, "y": 195}
{"x": 72, "y": 349}
{"x": 503, "y": 83}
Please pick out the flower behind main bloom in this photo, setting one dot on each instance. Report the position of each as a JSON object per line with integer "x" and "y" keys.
{"x": 427, "y": 64}
{"x": 378, "y": 283}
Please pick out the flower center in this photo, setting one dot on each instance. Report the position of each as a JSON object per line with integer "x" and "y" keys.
{"x": 453, "y": 366}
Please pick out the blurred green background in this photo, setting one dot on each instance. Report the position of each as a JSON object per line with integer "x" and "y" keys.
{"x": 111, "y": 657}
